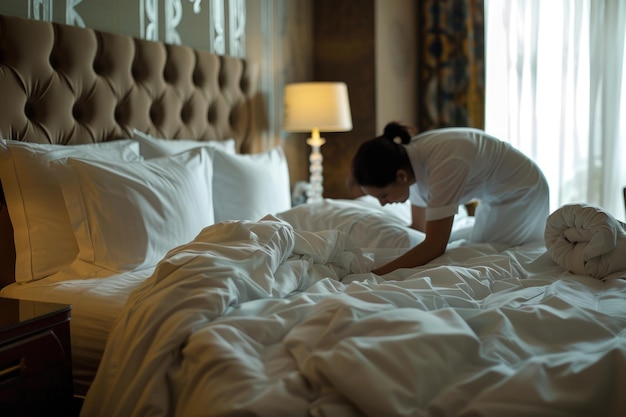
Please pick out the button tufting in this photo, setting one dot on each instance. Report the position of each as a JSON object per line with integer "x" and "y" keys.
{"x": 244, "y": 84}
{"x": 232, "y": 118}
{"x": 29, "y": 111}
{"x": 54, "y": 62}
{"x": 198, "y": 78}
{"x": 156, "y": 113}
{"x": 77, "y": 112}
{"x": 212, "y": 114}
{"x": 221, "y": 80}
{"x": 186, "y": 112}
{"x": 97, "y": 68}
{"x": 119, "y": 114}
{"x": 169, "y": 74}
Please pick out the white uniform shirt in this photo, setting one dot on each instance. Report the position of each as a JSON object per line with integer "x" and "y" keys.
{"x": 455, "y": 165}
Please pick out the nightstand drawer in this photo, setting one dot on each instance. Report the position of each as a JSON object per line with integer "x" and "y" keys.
{"x": 30, "y": 356}
{"x": 35, "y": 360}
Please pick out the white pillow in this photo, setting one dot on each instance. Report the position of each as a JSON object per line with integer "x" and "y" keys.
{"x": 152, "y": 147}
{"x": 44, "y": 240}
{"x": 461, "y": 227}
{"x": 369, "y": 226}
{"x": 248, "y": 187}
{"x": 127, "y": 216}
{"x": 400, "y": 210}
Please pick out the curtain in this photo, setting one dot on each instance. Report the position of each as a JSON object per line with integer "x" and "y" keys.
{"x": 451, "y": 70}
{"x": 555, "y": 90}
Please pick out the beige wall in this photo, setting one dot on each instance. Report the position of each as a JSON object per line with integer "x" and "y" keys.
{"x": 369, "y": 44}
{"x": 396, "y": 63}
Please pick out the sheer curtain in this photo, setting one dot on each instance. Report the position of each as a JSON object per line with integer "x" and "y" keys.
{"x": 554, "y": 89}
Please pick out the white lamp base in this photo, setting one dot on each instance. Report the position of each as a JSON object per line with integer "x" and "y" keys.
{"x": 316, "y": 178}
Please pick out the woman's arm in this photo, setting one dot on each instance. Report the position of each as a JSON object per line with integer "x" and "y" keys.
{"x": 434, "y": 245}
{"x": 418, "y": 218}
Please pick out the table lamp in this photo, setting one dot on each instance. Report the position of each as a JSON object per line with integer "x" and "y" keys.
{"x": 316, "y": 107}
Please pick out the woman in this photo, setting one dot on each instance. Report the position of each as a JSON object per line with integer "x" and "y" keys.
{"x": 440, "y": 169}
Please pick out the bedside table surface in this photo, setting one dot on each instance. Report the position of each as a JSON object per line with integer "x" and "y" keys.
{"x": 20, "y": 313}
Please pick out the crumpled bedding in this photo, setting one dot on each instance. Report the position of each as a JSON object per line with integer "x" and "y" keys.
{"x": 586, "y": 240}
{"x": 259, "y": 319}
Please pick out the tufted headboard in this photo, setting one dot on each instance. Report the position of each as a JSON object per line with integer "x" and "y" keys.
{"x": 67, "y": 85}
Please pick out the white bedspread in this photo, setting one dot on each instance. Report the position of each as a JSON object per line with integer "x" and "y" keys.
{"x": 259, "y": 319}
{"x": 586, "y": 240}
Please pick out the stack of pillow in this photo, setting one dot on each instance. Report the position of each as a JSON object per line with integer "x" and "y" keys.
{"x": 100, "y": 209}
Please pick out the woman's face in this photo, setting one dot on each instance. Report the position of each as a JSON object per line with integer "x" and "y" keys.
{"x": 395, "y": 192}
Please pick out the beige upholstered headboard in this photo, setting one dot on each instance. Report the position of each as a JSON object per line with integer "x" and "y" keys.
{"x": 68, "y": 85}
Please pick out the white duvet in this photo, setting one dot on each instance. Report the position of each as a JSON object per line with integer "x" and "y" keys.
{"x": 259, "y": 319}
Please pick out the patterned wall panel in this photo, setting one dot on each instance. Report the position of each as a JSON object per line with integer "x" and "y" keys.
{"x": 40, "y": 9}
{"x": 216, "y": 25}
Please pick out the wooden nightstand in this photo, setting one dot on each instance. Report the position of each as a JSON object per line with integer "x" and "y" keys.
{"x": 35, "y": 359}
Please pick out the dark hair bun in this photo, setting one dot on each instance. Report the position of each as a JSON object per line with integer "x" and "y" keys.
{"x": 395, "y": 130}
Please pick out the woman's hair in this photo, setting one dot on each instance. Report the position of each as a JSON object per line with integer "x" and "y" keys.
{"x": 377, "y": 161}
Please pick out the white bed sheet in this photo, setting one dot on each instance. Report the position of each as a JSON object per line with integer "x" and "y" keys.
{"x": 96, "y": 304}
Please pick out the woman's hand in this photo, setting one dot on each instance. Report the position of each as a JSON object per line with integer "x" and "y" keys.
{"x": 434, "y": 245}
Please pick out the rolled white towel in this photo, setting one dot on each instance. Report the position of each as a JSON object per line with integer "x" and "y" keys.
{"x": 586, "y": 240}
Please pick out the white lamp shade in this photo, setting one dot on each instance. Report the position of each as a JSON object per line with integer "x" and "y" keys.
{"x": 317, "y": 105}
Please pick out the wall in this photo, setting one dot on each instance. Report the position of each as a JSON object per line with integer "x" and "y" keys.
{"x": 218, "y": 26}
{"x": 396, "y": 62}
{"x": 344, "y": 50}
{"x": 370, "y": 45}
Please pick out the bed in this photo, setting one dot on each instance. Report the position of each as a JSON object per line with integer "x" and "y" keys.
{"x": 72, "y": 92}
{"x": 197, "y": 289}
